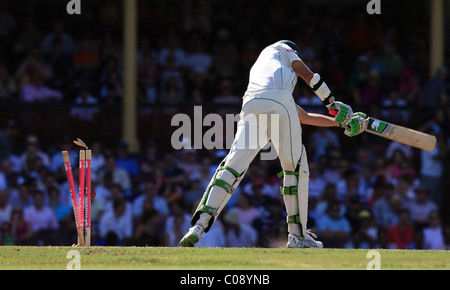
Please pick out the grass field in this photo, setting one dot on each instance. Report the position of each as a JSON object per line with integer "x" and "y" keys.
{"x": 122, "y": 258}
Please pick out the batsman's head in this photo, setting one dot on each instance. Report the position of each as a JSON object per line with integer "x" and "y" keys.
{"x": 292, "y": 45}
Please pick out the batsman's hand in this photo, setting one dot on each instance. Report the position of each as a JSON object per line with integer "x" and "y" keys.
{"x": 357, "y": 124}
{"x": 343, "y": 113}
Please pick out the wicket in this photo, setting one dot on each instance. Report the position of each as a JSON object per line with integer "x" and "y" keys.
{"x": 82, "y": 205}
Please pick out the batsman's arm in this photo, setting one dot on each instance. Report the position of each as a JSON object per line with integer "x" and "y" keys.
{"x": 316, "y": 83}
{"x": 342, "y": 112}
{"x": 315, "y": 119}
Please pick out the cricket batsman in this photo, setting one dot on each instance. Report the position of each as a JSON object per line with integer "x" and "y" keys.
{"x": 271, "y": 83}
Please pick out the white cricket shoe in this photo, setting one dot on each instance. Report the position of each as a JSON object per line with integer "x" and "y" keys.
{"x": 192, "y": 236}
{"x": 310, "y": 242}
{"x": 294, "y": 241}
{"x": 307, "y": 242}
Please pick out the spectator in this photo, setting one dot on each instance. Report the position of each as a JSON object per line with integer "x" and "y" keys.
{"x": 198, "y": 86}
{"x": 8, "y": 86}
{"x": 198, "y": 58}
{"x": 367, "y": 234}
{"x": 86, "y": 60}
{"x": 36, "y": 91}
{"x": 333, "y": 229}
{"x": 42, "y": 220}
{"x": 238, "y": 235}
{"x": 172, "y": 91}
{"x": 396, "y": 164}
{"x": 29, "y": 37}
{"x": 226, "y": 95}
{"x": 434, "y": 91}
{"x": 308, "y": 99}
{"x": 188, "y": 161}
{"x": 111, "y": 89}
{"x": 215, "y": 238}
{"x": 396, "y": 108}
{"x": 57, "y": 161}
{"x": 403, "y": 188}
{"x": 125, "y": 161}
{"x": 62, "y": 66}
{"x": 33, "y": 151}
{"x": 174, "y": 176}
{"x": 119, "y": 175}
{"x": 316, "y": 183}
{"x": 148, "y": 230}
{"x": 58, "y": 32}
{"x": 421, "y": 207}
{"x": 177, "y": 223}
{"x": 271, "y": 224}
{"x": 432, "y": 167}
{"x": 84, "y": 113}
{"x": 224, "y": 55}
{"x": 385, "y": 208}
{"x": 351, "y": 187}
{"x": 21, "y": 229}
{"x": 63, "y": 213}
{"x": 371, "y": 91}
{"x": 359, "y": 76}
{"x": 172, "y": 46}
{"x": 196, "y": 16}
{"x": 117, "y": 193}
{"x": 246, "y": 212}
{"x": 21, "y": 197}
{"x": 3, "y": 181}
{"x": 150, "y": 196}
{"x": 8, "y": 138}
{"x": 33, "y": 66}
{"x": 257, "y": 198}
{"x": 115, "y": 226}
{"x": 433, "y": 235}
{"x": 323, "y": 141}
{"x": 193, "y": 193}
{"x": 5, "y": 207}
{"x": 6, "y": 235}
{"x": 391, "y": 61}
{"x": 98, "y": 159}
{"x": 409, "y": 85}
{"x": 149, "y": 78}
{"x": 401, "y": 235}
{"x": 328, "y": 197}
{"x": 103, "y": 188}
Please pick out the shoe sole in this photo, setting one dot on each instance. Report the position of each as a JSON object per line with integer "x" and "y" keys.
{"x": 189, "y": 241}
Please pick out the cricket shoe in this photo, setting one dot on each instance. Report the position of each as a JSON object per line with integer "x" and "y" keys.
{"x": 294, "y": 241}
{"x": 192, "y": 236}
{"x": 306, "y": 242}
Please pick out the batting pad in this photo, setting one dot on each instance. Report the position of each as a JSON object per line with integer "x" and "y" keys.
{"x": 303, "y": 191}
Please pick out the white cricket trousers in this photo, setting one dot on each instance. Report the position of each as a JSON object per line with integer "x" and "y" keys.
{"x": 283, "y": 129}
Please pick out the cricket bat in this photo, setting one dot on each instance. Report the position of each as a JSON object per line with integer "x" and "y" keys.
{"x": 401, "y": 134}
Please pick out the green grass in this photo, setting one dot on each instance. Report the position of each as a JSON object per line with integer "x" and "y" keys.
{"x": 12, "y": 257}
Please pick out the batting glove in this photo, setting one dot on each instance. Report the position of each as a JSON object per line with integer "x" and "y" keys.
{"x": 343, "y": 113}
{"x": 357, "y": 124}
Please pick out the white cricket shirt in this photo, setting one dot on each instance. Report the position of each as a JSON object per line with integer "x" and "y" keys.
{"x": 273, "y": 69}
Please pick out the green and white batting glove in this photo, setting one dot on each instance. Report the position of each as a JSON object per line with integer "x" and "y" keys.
{"x": 357, "y": 125}
{"x": 343, "y": 113}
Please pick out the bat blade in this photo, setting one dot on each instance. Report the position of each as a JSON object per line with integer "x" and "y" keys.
{"x": 401, "y": 134}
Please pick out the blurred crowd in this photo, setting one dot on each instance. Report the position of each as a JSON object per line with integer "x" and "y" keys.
{"x": 365, "y": 192}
